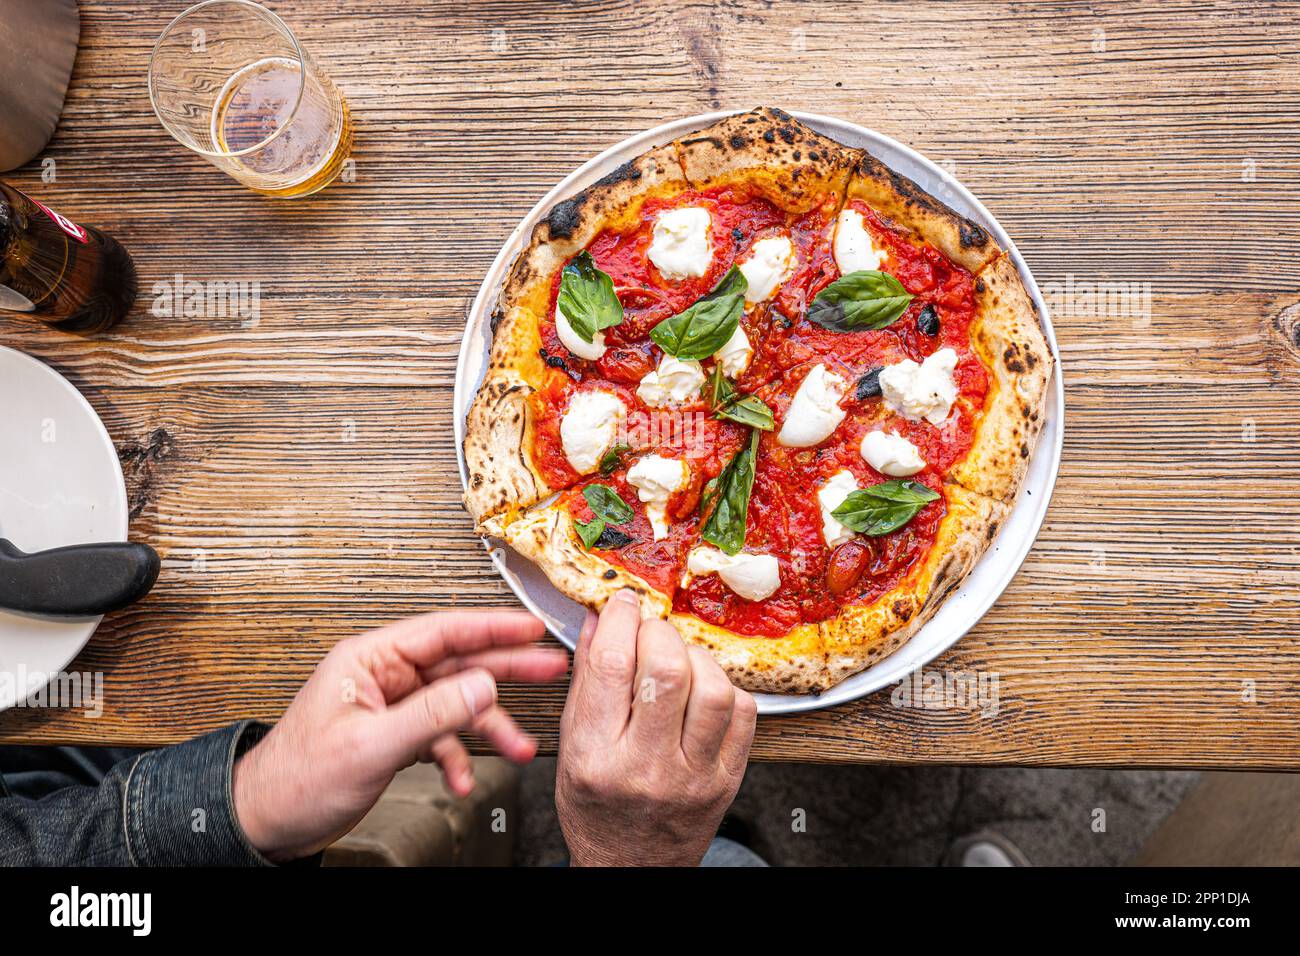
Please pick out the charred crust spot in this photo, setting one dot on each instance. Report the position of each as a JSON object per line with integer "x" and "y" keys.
{"x": 992, "y": 530}
{"x": 1024, "y": 450}
{"x": 738, "y": 141}
{"x": 980, "y": 287}
{"x": 769, "y": 136}
{"x": 703, "y": 139}
{"x": 909, "y": 190}
{"x": 788, "y": 134}
{"x": 476, "y": 481}
{"x": 903, "y": 608}
{"x": 562, "y": 222}
{"x": 610, "y": 575}
{"x": 1011, "y": 357}
{"x": 628, "y": 171}
{"x": 972, "y": 236}
{"x": 942, "y": 595}
{"x": 798, "y": 155}
{"x": 812, "y": 155}
{"x": 495, "y": 321}
{"x": 1030, "y": 358}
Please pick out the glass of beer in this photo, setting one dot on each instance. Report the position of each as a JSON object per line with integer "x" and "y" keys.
{"x": 229, "y": 80}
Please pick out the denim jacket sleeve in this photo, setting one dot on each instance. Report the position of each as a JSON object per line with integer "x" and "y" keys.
{"x": 169, "y": 807}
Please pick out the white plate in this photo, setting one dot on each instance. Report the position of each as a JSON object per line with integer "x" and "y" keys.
{"x": 60, "y": 484}
{"x": 995, "y": 569}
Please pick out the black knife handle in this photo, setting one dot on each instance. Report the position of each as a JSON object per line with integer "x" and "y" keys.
{"x": 83, "y": 580}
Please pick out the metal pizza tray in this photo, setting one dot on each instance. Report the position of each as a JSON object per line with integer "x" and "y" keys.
{"x": 996, "y": 567}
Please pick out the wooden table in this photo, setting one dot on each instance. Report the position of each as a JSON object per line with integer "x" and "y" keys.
{"x": 299, "y": 475}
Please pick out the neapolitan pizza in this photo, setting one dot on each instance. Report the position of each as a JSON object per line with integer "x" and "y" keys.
{"x": 768, "y": 383}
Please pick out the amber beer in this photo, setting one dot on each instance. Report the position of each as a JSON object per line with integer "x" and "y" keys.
{"x": 70, "y": 276}
{"x": 256, "y": 107}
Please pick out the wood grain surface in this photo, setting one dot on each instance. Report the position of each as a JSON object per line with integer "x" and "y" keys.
{"x": 298, "y": 474}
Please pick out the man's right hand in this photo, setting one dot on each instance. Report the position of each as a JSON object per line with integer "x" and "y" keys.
{"x": 653, "y": 744}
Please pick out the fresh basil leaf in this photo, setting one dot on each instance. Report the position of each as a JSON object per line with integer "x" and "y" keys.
{"x": 727, "y": 500}
{"x": 610, "y": 461}
{"x": 701, "y": 329}
{"x": 867, "y": 299}
{"x": 587, "y": 297}
{"x": 720, "y": 390}
{"x": 727, "y": 403}
{"x": 732, "y": 283}
{"x": 611, "y": 539}
{"x": 749, "y": 410}
{"x": 884, "y": 507}
{"x": 706, "y": 493}
{"x": 590, "y": 531}
{"x": 606, "y": 503}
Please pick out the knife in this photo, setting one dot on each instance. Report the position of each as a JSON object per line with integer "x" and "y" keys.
{"x": 83, "y": 580}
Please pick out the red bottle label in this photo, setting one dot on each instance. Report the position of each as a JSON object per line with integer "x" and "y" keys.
{"x": 67, "y": 225}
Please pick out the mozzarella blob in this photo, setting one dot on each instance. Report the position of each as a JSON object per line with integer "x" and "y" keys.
{"x": 571, "y": 340}
{"x": 680, "y": 248}
{"x": 589, "y": 428}
{"x": 853, "y": 249}
{"x": 830, "y": 496}
{"x": 735, "y": 356}
{"x": 815, "y": 411}
{"x": 655, "y": 479}
{"x": 752, "y": 576}
{"x": 891, "y": 454}
{"x": 770, "y": 263}
{"x": 924, "y": 391}
{"x": 672, "y": 383}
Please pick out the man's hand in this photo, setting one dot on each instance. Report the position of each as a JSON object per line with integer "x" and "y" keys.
{"x": 653, "y": 744}
{"x": 378, "y": 703}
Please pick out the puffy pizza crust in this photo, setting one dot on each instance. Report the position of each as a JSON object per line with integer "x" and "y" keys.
{"x": 930, "y": 221}
{"x": 793, "y": 664}
{"x": 499, "y": 428}
{"x": 862, "y": 635}
{"x": 772, "y": 151}
{"x": 1008, "y": 338}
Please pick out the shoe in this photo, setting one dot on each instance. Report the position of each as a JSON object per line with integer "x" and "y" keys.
{"x": 984, "y": 848}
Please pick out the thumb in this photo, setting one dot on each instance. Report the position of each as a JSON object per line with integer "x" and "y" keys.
{"x": 442, "y": 707}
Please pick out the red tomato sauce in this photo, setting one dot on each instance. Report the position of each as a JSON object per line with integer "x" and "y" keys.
{"x": 784, "y": 513}
{"x": 688, "y": 431}
{"x": 738, "y": 219}
{"x": 658, "y": 563}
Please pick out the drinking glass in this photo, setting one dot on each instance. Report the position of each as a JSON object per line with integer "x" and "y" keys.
{"x": 229, "y": 80}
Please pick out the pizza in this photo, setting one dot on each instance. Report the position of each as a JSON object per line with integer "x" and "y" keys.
{"x": 768, "y": 383}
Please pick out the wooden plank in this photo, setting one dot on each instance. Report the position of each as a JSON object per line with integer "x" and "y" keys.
{"x": 297, "y": 471}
